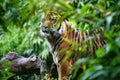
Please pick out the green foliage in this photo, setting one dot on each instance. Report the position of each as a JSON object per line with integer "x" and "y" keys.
{"x": 20, "y": 23}
{"x": 6, "y": 74}
{"x": 19, "y": 28}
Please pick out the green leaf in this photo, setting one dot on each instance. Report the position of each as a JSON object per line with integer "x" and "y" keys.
{"x": 89, "y": 72}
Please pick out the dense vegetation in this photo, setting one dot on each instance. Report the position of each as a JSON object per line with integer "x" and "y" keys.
{"x": 20, "y": 23}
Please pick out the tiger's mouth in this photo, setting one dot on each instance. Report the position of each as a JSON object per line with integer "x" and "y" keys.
{"x": 49, "y": 30}
{"x": 45, "y": 30}
{"x": 52, "y": 32}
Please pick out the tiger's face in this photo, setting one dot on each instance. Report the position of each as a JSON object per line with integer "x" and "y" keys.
{"x": 48, "y": 25}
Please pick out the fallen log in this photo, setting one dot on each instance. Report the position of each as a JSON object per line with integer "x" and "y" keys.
{"x": 22, "y": 65}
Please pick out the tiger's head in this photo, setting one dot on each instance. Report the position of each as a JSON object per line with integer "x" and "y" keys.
{"x": 50, "y": 27}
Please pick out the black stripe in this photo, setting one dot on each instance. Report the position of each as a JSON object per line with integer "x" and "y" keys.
{"x": 104, "y": 42}
{"x": 58, "y": 45}
{"x": 98, "y": 42}
{"x": 61, "y": 59}
{"x": 60, "y": 48}
{"x": 89, "y": 41}
{"x": 76, "y": 36}
{"x": 59, "y": 28}
{"x": 59, "y": 39}
{"x": 73, "y": 35}
{"x": 94, "y": 45}
{"x": 94, "y": 41}
{"x": 87, "y": 33}
{"x": 58, "y": 42}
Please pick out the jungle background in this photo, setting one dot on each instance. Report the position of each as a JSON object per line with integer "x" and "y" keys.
{"x": 20, "y": 24}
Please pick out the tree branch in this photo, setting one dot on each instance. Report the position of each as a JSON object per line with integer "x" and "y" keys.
{"x": 22, "y": 65}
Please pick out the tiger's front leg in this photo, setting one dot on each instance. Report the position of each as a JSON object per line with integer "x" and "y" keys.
{"x": 64, "y": 69}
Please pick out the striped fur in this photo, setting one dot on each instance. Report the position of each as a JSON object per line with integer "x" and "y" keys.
{"x": 64, "y": 40}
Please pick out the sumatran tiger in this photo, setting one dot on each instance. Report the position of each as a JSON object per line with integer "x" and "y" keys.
{"x": 63, "y": 40}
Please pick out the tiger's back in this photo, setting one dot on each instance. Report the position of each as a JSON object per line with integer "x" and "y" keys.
{"x": 77, "y": 40}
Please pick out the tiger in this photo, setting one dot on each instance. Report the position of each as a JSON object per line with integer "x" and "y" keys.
{"x": 64, "y": 39}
